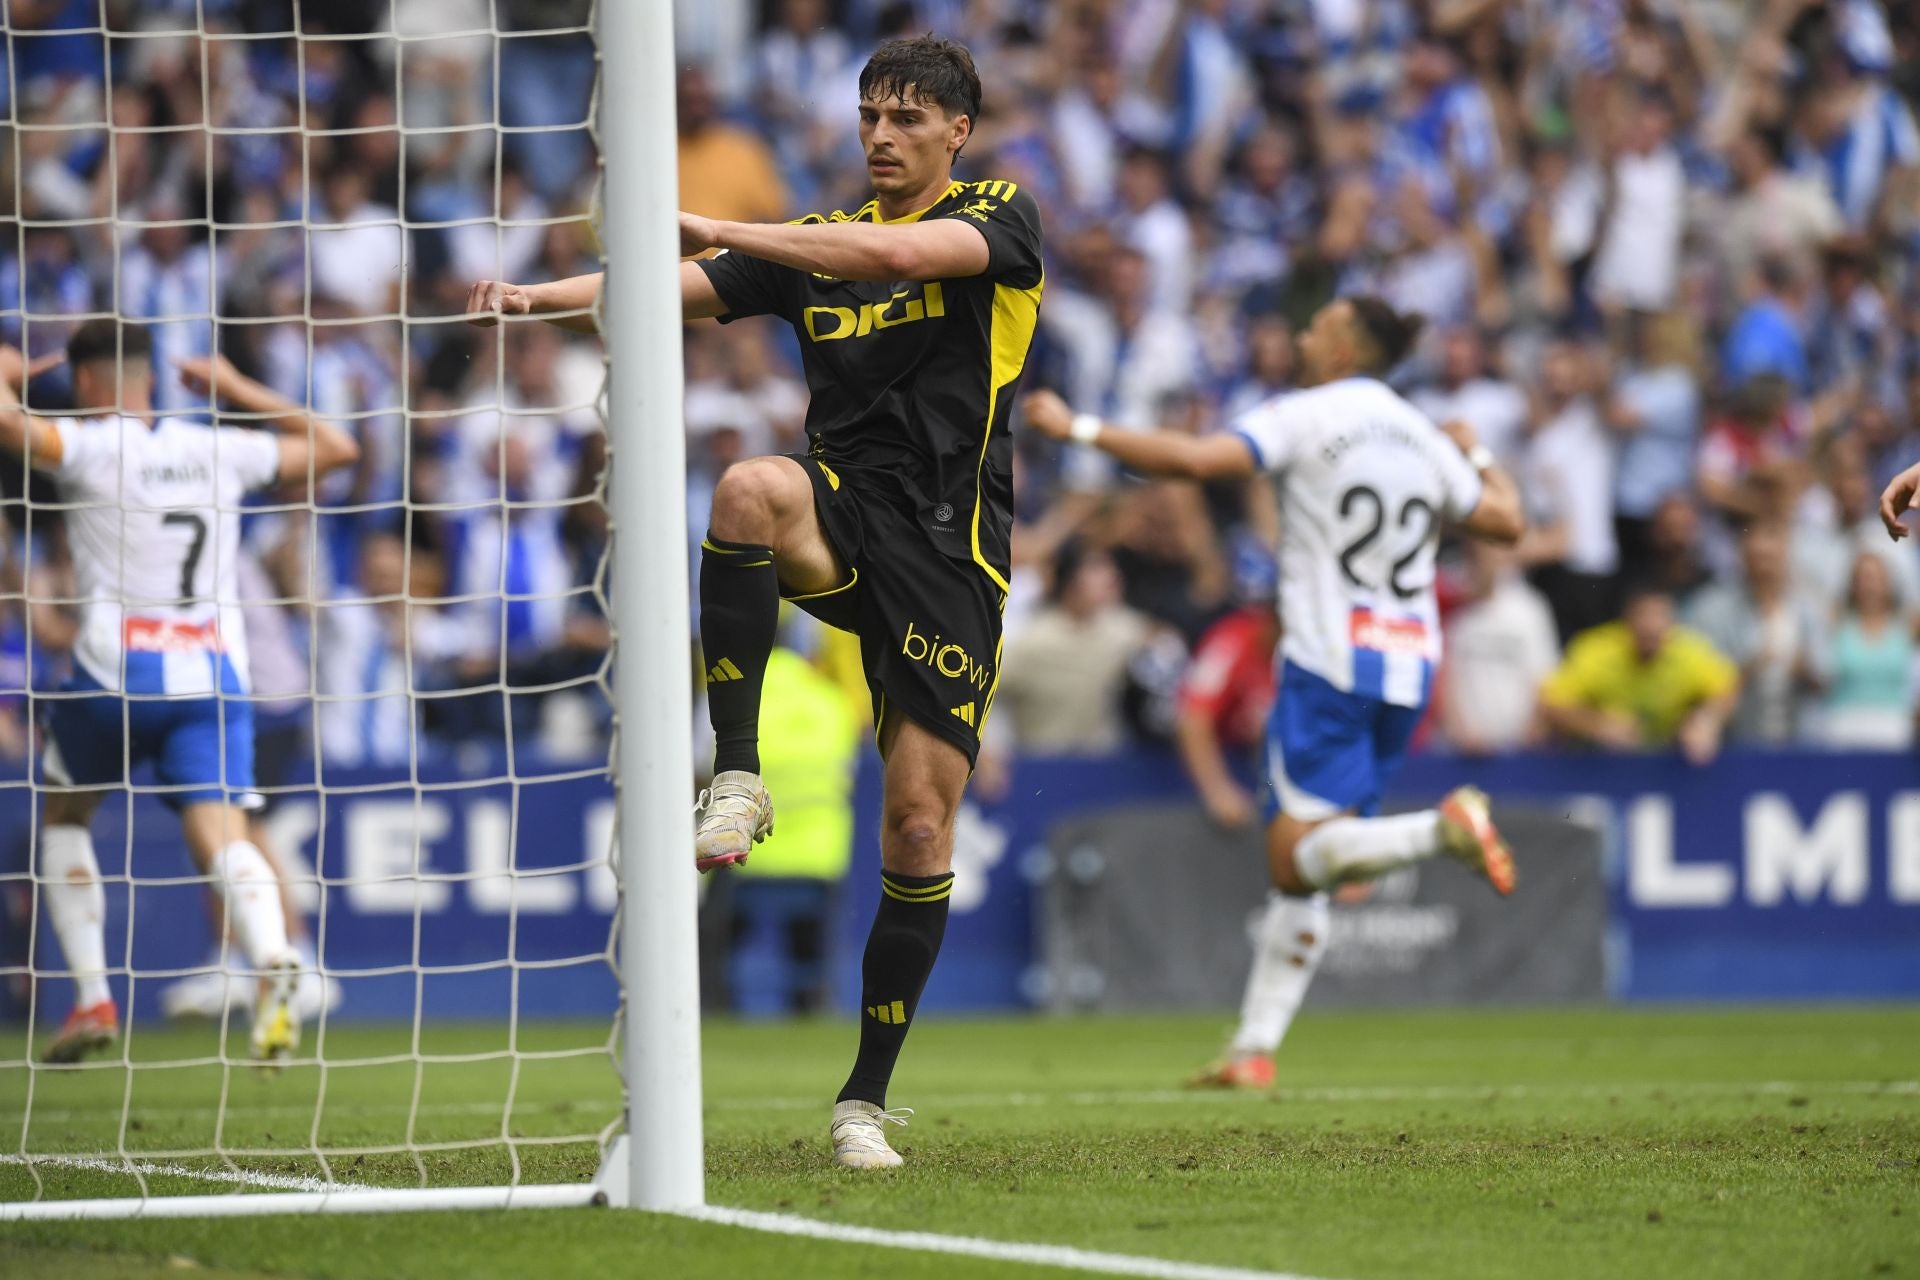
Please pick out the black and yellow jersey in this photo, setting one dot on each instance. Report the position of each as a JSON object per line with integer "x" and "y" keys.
{"x": 913, "y": 383}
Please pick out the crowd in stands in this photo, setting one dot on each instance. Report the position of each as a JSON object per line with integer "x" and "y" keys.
{"x": 1669, "y": 256}
{"x": 1668, "y": 252}
{"x": 260, "y": 196}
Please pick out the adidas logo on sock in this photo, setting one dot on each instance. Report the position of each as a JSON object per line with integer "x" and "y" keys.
{"x": 890, "y": 1014}
{"x": 723, "y": 671}
{"x": 964, "y": 711}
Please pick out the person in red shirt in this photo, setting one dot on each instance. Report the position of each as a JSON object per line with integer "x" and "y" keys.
{"x": 1226, "y": 692}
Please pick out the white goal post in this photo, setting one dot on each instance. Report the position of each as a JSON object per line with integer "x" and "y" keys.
{"x": 651, "y": 1147}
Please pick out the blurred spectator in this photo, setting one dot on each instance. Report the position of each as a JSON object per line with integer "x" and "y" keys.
{"x": 725, "y": 171}
{"x": 1265, "y": 209}
{"x": 1751, "y": 462}
{"x": 1772, "y": 213}
{"x": 1854, "y": 129}
{"x": 1122, "y": 354}
{"x": 1674, "y": 559}
{"x": 1870, "y": 696}
{"x": 1501, "y": 645}
{"x": 1152, "y": 224}
{"x": 355, "y": 248}
{"x": 1567, "y": 480}
{"x": 1824, "y": 551}
{"x": 376, "y": 651}
{"x": 1270, "y": 360}
{"x": 1225, "y": 694}
{"x": 752, "y": 395}
{"x": 1642, "y": 683}
{"x": 546, "y": 87}
{"x": 1765, "y": 339}
{"x": 167, "y": 276}
{"x": 1065, "y": 670}
{"x": 1637, "y": 264}
{"x": 1655, "y": 410}
{"x": 1773, "y": 634}
{"x": 1495, "y": 408}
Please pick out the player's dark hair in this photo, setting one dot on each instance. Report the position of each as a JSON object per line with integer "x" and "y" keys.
{"x": 936, "y": 69}
{"x": 109, "y": 339}
{"x": 1391, "y": 333}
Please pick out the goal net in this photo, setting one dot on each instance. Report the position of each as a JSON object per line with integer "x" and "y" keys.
{"x": 429, "y": 631}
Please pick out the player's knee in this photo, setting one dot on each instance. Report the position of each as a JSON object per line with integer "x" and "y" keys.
{"x": 1281, "y": 867}
{"x": 750, "y": 499}
{"x": 917, "y": 839}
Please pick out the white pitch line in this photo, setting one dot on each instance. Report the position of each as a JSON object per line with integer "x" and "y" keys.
{"x": 1090, "y": 1098}
{"x": 1038, "y": 1255}
{"x": 1383, "y": 1093}
{"x": 152, "y": 1169}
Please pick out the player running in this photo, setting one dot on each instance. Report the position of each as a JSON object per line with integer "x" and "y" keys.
{"x": 914, "y": 314}
{"x": 160, "y": 665}
{"x": 1365, "y": 483}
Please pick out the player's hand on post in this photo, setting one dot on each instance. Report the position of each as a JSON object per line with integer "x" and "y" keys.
{"x": 488, "y": 300}
{"x": 1048, "y": 414}
{"x": 1902, "y": 496}
{"x": 697, "y": 234}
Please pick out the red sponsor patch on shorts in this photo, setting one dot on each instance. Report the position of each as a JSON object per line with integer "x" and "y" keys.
{"x": 164, "y": 635}
{"x": 1368, "y": 630}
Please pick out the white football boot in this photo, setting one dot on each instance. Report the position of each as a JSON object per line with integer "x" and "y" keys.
{"x": 860, "y": 1136}
{"x": 276, "y": 1014}
{"x": 736, "y": 813}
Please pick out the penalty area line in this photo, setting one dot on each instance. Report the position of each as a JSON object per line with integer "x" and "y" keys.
{"x": 1065, "y": 1257}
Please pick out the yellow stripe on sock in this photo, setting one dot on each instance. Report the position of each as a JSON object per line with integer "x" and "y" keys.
{"x": 904, "y": 894}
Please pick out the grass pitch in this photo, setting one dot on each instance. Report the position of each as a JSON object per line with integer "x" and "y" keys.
{"x": 1586, "y": 1143}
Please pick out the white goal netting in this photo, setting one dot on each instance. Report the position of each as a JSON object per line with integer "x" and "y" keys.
{"x": 308, "y": 190}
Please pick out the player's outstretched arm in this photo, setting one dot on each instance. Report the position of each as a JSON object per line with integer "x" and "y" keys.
{"x": 567, "y": 303}
{"x": 308, "y": 444}
{"x": 939, "y": 250}
{"x": 1156, "y": 453}
{"x": 1499, "y": 516}
{"x": 1901, "y": 496}
{"x": 24, "y": 434}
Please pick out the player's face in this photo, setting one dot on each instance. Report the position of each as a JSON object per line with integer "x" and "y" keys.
{"x": 909, "y": 143}
{"x": 1325, "y": 344}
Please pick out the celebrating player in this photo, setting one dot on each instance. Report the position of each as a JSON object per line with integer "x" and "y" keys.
{"x": 1366, "y": 480}
{"x": 161, "y": 661}
{"x": 914, "y": 314}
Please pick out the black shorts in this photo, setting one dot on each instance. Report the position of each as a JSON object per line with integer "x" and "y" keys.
{"x": 929, "y": 625}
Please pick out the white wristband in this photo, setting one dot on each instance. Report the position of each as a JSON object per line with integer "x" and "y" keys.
{"x": 1085, "y": 428}
{"x": 1481, "y": 458}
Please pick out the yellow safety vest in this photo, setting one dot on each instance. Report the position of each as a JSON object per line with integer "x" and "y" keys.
{"x": 809, "y": 747}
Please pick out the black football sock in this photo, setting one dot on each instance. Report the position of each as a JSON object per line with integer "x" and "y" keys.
{"x": 907, "y": 930}
{"x": 739, "y": 614}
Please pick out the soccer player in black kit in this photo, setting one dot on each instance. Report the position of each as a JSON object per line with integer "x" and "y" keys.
{"x": 914, "y": 313}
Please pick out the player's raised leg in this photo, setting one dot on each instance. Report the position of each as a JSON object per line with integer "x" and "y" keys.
{"x": 216, "y": 835}
{"x": 925, "y": 777}
{"x": 763, "y": 533}
{"x": 76, "y": 907}
{"x": 1309, "y": 857}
